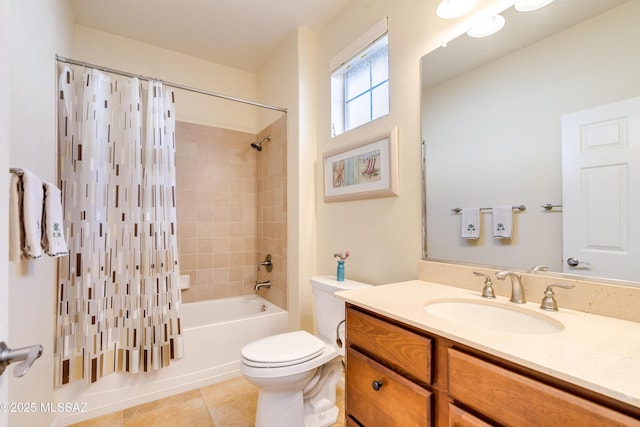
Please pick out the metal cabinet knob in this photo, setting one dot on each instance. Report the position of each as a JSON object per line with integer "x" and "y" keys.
{"x": 376, "y": 385}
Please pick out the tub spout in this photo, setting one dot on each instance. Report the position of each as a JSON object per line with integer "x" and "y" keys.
{"x": 265, "y": 284}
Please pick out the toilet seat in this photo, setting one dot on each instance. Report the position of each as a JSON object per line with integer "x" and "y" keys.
{"x": 282, "y": 350}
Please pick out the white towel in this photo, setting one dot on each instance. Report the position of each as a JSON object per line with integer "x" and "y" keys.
{"x": 32, "y": 203}
{"x": 502, "y": 222}
{"x": 15, "y": 222}
{"x": 470, "y": 222}
{"x": 53, "y": 240}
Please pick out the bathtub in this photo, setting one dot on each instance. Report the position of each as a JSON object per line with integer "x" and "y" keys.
{"x": 214, "y": 332}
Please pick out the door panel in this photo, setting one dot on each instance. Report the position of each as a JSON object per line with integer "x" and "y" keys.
{"x": 600, "y": 176}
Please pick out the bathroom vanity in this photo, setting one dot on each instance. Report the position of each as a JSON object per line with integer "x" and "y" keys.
{"x": 410, "y": 364}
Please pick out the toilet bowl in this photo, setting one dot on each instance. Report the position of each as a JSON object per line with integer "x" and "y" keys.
{"x": 296, "y": 372}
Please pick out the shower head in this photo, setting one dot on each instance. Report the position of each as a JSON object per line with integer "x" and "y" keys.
{"x": 258, "y": 145}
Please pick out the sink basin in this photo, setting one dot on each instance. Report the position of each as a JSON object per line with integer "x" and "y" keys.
{"x": 493, "y": 316}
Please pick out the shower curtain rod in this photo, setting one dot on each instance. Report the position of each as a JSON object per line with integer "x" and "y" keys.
{"x": 173, "y": 85}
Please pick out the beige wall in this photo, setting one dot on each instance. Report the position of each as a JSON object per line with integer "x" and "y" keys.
{"x": 38, "y": 30}
{"x": 288, "y": 79}
{"x": 383, "y": 235}
{"x": 100, "y": 48}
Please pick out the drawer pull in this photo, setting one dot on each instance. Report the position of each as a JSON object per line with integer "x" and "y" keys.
{"x": 376, "y": 385}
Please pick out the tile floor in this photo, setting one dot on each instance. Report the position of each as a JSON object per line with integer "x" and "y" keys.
{"x": 230, "y": 403}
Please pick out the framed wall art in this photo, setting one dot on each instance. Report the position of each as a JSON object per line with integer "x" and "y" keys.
{"x": 363, "y": 170}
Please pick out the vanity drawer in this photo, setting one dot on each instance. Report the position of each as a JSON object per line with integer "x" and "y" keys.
{"x": 514, "y": 399}
{"x": 402, "y": 350}
{"x": 393, "y": 401}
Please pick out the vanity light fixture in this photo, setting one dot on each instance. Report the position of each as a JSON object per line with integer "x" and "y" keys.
{"x": 487, "y": 27}
{"x": 450, "y": 9}
{"x": 530, "y": 5}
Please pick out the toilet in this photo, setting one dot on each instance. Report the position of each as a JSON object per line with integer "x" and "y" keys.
{"x": 296, "y": 372}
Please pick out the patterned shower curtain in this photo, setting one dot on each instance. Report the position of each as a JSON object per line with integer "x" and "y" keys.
{"x": 118, "y": 306}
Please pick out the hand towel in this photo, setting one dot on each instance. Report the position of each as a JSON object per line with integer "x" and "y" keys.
{"x": 470, "y": 222}
{"x": 53, "y": 241}
{"x": 15, "y": 222}
{"x": 32, "y": 203}
{"x": 502, "y": 222}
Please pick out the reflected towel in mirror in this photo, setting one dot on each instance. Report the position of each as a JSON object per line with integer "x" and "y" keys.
{"x": 470, "y": 222}
{"x": 502, "y": 222}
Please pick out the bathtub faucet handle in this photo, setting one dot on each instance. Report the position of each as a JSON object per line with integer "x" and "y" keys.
{"x": 267, "y": 263}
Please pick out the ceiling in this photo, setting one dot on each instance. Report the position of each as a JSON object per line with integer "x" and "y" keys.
{"x": 521, "y": 29}
{"x": 241, "y": 34}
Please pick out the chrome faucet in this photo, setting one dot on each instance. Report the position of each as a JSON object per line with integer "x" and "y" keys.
{"x": 265, "y": 284}
{"x": 517, "y": 291}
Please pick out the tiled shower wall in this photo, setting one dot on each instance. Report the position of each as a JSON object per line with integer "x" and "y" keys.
{"x": 217, "y": 174}
{"x": 272, "y": 210}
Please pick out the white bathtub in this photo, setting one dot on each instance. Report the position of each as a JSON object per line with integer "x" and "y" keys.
{"x": 214, "y": 332}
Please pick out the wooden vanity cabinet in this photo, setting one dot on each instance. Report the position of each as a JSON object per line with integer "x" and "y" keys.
{"x": 388, "y": 367}
{"x": 510, "y": 398}
{"x": 398, "y": 375}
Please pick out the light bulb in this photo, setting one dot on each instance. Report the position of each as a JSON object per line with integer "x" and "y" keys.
{"x": 487, "y": 27}
{"x": 450, "y": 9}
{"x": 529, "y": 5}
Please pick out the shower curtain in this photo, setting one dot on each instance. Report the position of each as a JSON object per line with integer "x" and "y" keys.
{"x": 118, "y": 306}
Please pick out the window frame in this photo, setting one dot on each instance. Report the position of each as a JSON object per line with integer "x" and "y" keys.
{"x": 338, "y": 67}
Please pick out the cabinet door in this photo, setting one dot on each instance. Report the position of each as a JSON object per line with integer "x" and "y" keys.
{"x": 377, "y": 396}
{"x": 512, "y": 399}
{"x": 461, "y": 418}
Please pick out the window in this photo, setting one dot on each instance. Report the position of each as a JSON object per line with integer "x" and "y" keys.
{"x": 360, "y": 85}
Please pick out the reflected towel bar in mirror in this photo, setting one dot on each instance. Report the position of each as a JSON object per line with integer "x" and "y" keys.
{"x": 518, "y": 207}
{"x": 549, "y": 206}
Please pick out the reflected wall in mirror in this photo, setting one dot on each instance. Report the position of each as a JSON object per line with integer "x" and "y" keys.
{"x": 491, "y": 118}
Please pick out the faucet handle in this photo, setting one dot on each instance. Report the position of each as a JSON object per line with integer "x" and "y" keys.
{"x": 549, "y": 302}
{"x": 487, "y": 291}
{"x": 540, "y": 267}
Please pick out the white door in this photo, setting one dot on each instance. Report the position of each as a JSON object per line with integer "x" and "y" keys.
{"x": 601, "y": 188}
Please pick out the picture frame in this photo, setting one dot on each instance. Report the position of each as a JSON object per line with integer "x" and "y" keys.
{"x": 366, "y": 169}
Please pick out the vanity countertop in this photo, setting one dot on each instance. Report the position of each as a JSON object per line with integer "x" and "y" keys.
{"x": 599, "y": 353}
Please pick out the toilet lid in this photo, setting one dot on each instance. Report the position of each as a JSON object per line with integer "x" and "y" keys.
{"x": 282, "y": 349}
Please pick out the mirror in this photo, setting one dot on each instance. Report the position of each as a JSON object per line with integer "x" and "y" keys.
{"x": 491, "y": 120}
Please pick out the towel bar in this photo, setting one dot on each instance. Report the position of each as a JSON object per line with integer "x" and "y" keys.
{"x": 549, "y": 206}
{"x": 518, "y": 207}
{"x": 17, "y": 171}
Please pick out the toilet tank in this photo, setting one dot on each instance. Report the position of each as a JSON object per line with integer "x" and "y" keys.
{"x": 329, "y": 308}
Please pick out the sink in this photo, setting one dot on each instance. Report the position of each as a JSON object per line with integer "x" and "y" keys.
{"x": 493, "y": 316}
